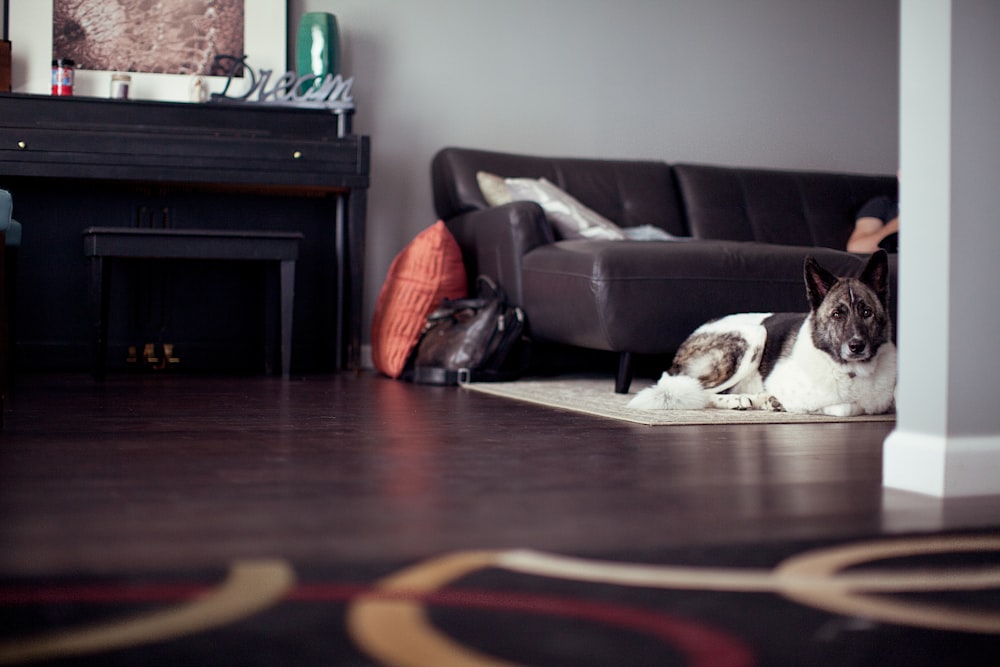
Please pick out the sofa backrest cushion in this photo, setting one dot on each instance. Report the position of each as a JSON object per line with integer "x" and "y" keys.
{"x": 627, "y": 192}
{"x": 805, "y": 208}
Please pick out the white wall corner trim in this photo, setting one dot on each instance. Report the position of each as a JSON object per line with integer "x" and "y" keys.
{"x": 940, "y": 465}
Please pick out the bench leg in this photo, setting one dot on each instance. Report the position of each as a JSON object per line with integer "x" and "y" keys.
{"x": 100, "y": 301}
{"x": 624, "y": 379}
{"x": 287, "y": 303}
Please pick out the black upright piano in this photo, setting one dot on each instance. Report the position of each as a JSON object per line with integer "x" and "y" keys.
{"x": 76, "y": 162}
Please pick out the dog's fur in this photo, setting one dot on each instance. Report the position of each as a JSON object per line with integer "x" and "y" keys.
{"x": 838, "y": 359}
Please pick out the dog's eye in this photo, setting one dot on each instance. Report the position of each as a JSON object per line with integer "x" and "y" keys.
{"x": 837, "y": 314}
{"x": 867, "y": 312}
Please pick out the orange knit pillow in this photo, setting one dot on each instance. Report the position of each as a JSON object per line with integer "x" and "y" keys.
{"x": 427, "y": 270}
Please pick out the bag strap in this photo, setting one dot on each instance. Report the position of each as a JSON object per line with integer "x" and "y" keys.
{"x": 445, "y": 376}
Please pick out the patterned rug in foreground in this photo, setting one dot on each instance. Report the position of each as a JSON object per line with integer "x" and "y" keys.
{"x": 596, "y": 396}
{"x": 918, "y": 600}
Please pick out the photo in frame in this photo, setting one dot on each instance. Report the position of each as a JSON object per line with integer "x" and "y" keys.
{"x": 31, "y": 33}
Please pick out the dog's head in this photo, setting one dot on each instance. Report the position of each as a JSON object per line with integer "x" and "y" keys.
{"x": 850, "y": 315}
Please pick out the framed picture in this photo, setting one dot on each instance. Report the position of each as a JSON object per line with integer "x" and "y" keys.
{"x": 264, "y": 35}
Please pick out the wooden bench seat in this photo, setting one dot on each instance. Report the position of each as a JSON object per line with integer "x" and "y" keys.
{"x": 106, "y": 243}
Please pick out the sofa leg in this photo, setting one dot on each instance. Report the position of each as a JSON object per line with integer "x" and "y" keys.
{"x": 624, "y": 379}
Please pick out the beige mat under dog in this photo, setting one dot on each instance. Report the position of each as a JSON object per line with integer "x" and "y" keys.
{"x": 596, "y": 396}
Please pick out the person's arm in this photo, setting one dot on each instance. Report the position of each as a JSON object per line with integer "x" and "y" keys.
{"x": 868, "y": 232}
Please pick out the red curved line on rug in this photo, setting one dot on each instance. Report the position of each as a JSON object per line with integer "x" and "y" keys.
{"x": 700, "y": 643}
{"x": 249, "y": 587}
{"x": 102, "y": 593}
{"x": 711, "y": 645}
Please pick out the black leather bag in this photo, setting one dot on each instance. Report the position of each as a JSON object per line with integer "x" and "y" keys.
{"x": 478, "y": 339}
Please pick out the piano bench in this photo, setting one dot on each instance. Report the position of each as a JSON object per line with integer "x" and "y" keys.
{"x": 106, "y": 243}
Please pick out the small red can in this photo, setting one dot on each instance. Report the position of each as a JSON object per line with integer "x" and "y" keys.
{"x": 62, "y": 76}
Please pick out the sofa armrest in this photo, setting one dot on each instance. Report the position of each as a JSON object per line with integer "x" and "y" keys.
{"x": 493, "y": 240}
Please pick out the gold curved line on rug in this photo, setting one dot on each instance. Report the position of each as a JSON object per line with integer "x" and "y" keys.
{"x": 391, "y": 624}
{"x": 813, "y": 578}
{"x": 250, "y": 587}
{"x": 737, "y": 580}
{"x": 829, "y": 562}
{"x": 397, "y": 631}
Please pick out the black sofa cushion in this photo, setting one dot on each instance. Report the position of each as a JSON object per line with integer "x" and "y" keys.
{"x": 786, "y": 207}
{"x": 627, "y": 192}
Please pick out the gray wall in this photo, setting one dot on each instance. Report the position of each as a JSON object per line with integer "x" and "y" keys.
{"x": 774, "y": 83}
{"x": 777, "y": 83}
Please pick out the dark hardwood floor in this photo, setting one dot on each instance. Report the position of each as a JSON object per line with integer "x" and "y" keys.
{"x": 146, "y": 472}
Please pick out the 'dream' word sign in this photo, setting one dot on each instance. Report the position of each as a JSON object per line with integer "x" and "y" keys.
{"x": 311, "y": 91}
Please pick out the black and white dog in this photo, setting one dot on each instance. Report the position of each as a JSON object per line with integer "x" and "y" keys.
{"x": 838, "y": 359}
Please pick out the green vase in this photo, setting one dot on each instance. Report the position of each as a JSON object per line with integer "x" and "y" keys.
{"x": 317, "y": 47}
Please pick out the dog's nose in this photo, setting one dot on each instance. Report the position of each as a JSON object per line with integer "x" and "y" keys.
{"x": 856, "y": 346}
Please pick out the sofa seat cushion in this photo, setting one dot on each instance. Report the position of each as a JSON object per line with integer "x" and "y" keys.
{"x": 647, "y": 297}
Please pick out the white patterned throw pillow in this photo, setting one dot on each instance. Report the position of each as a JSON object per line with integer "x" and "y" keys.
{"x": 570, "y": 217}
{"x": 494, "y": 190}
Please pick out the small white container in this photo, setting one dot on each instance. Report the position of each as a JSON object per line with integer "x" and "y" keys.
{"x": 120, "y": 84}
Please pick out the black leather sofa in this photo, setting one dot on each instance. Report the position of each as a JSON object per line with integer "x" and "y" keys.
{"x": 749, "y": 229}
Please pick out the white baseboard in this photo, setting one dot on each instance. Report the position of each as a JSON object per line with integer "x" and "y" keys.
{"x": 940, "y": 465}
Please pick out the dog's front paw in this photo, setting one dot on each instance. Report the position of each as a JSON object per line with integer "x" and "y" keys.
{"x": 733, "y": 402}
{"x": 843, "y": 410}
{"x": 773, "y": 404}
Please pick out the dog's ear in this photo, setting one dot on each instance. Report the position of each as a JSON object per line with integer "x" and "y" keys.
{"x": 876, "y": 274}
{"x": 818, "y": 282}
